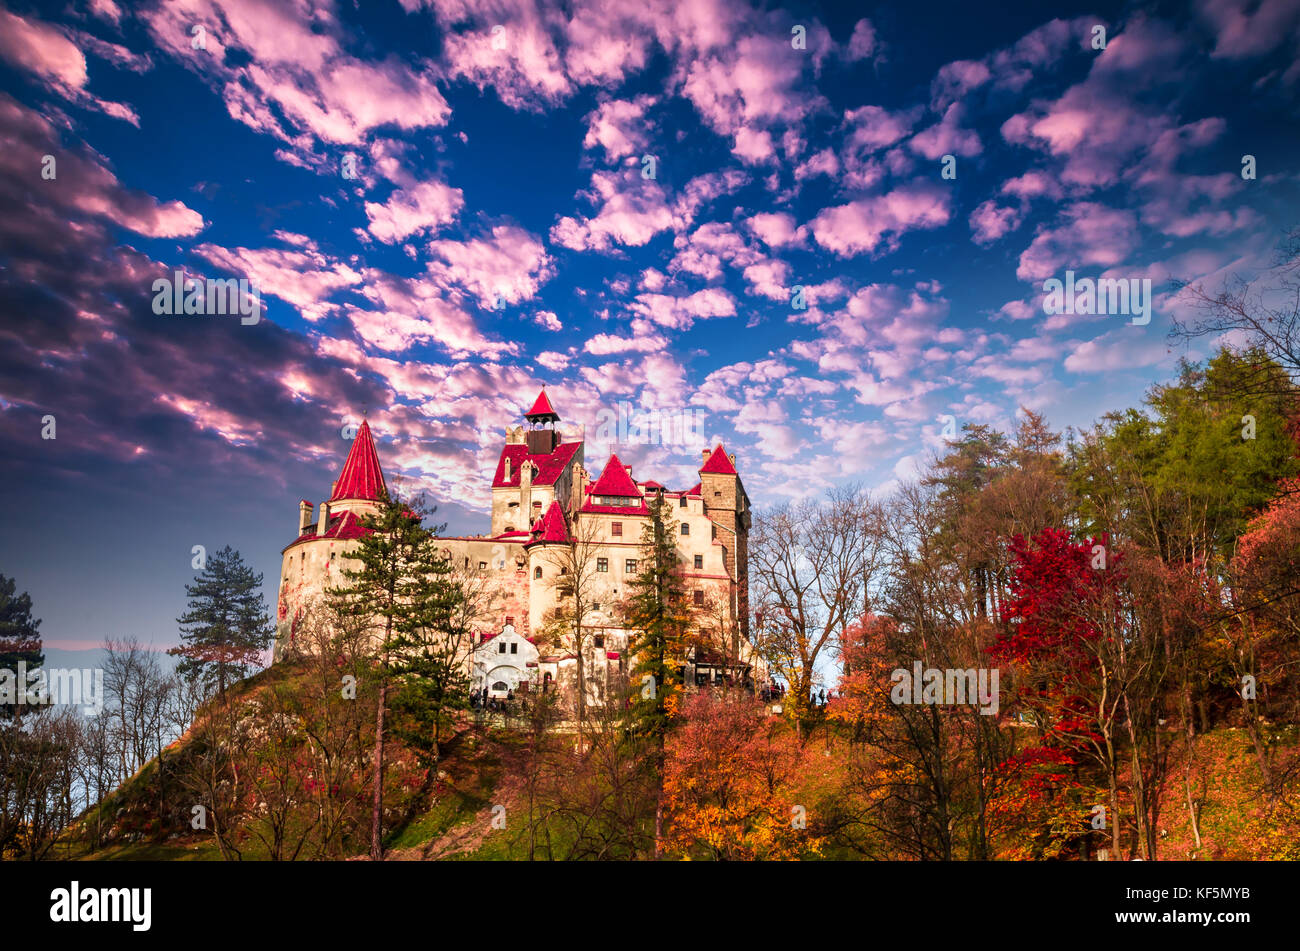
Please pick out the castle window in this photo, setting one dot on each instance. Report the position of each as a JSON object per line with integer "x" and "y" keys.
{"x": 699, "y": 562}
{"x": 717, "y": 495}
{"x": 616, "y": 528}
{"x": 514, "y": 648}
{"x": 537, "y": 572}
{"x": 600, "y": 640}
{"x": 686, "y": 529}
{"x": 699, "y": 598}
{"x": 501, "y": 648}
{"x": 629, "y": 566}
{"x": 681, "y": 502}
{"x": 602, "y": 564}
{"x": 482, "y": 565}
{"x": 513, "y": 505}
{"x": 618, "y": 501}
{"x": 595, "y": 607}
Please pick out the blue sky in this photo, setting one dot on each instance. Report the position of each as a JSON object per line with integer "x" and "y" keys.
{"x": 501, "y": 232}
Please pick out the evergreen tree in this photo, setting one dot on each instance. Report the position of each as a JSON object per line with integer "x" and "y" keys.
{"x": 227, "y": 627}
{"x": 658, "y": 614}
{"x": 19, "y": 639}
{"x": 402, "y": 589}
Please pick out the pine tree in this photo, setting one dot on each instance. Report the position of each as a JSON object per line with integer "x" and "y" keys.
{"x": 658, "y": 614}
{"x": 227, "y": 627}
{"x": 401, "y": 588}
{"x": 20, "y": 641}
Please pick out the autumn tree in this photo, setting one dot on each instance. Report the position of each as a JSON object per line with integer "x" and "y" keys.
{"x": 659, "y": 615}
{"x": 812, "y": 567}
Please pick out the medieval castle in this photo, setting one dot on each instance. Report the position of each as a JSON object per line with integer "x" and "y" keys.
{"x": 549, "y": 521}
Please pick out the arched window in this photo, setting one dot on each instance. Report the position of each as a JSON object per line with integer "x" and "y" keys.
{"x": 537, "y": 572}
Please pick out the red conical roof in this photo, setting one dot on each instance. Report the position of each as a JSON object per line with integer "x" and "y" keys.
{"x": 361, "y": 478}
{"x": 551, "y": 526}
{"x": 542, "y": 408}
{"x": 615, "y": 480}
{"x": 718, "y": 463}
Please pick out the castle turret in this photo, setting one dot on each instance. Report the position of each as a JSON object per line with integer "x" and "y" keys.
{"x": 727, "y": 507}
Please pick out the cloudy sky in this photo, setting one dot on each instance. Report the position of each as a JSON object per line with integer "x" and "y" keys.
{"x": 447, "y": 204}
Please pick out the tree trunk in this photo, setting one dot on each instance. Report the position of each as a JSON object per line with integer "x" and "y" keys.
{"x": 377, "y": 813}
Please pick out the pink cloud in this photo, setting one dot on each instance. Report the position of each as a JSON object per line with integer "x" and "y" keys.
{"x": 509, "y": 262}
{"x": 946, "y": 137}
{"x": 423, "y": 207}
{"x": 680, "y": 313}
{"x": 632, "y": 210}
{"x": 775, "y": 229}
{"x": 620, "y": 127}
{"x": 298, "y": 84}
{"x": 1092, "y": 235}
{"x": 1245, "y": 29}
{"x": 863, "y": 42}
{"x": 303, "y": 278}
{"x": 46, "y": 51}
{"x": 863, "y": 225}
{"x": 989, "y": 222}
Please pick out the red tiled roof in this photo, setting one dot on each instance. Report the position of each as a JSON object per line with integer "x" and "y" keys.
{"x": 698, "y": 490}
{"x": 343, "y": 526}
{"x": 362, "y": 478}
{"x": 551, "y": 527}
{"x": 542, "y": 406}
{"x": 718, "y": 463}
{"x": 652, "y": 484}
{"x": 549, "y": 465}
{"x": 615, "y": 480}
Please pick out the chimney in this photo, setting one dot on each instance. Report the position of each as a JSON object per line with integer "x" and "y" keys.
{"x": 304, "y": 515}
{"x": 526, "y": 489}
{"x": 323, "y": 523}
{"x": 732, "y": 457}
{"x": 334, "y": 488}
{"x": 706, "y": 456}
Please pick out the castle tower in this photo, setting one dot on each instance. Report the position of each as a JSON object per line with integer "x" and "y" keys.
{"x": 536, "y": 468}
{"x": 727, "y": 507}
{"x": 311, "y": 562}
